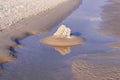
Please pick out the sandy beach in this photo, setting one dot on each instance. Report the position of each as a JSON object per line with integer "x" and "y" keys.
{"x": 12, "y": 11}
{"x": 97, "y": 21}
{"x": 41, "y": 23}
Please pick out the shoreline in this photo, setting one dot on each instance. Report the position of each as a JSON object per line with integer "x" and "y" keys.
{"x": 110, "y": 24}
{"x": 35, "y": 25}
{"x": 12, "y": 11}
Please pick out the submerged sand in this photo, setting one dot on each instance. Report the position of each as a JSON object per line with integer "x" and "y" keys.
{"x": 111, "y": 19}
{"x": 102, "y": 66}
{"x": 96, "y": 70}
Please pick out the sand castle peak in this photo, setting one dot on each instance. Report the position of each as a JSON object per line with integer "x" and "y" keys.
{"x": 63, "y": 32}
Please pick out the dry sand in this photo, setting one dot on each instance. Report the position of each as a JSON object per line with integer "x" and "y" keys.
{"x": 41, "y": 23}
{"x": 12, "y": 11}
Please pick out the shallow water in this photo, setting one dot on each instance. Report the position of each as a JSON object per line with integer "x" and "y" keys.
{"x": 111, "y": 20}
{"x": 92, "y": 61}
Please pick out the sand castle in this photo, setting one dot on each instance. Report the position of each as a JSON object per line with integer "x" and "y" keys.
{"x": 63, "y": 32}
{"x": 63, "y": 38}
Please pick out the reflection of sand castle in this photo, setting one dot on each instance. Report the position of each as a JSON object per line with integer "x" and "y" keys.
{"x": 63, "y": 50}
{"x": 62, "y": 40}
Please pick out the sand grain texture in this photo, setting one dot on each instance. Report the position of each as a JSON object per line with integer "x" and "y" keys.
{"x": 96, "y": 70}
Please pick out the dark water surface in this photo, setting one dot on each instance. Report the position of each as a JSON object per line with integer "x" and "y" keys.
{"x": 37, "y": 61}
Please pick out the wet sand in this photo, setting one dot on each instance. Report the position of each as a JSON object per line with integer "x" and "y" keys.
{"x": 96, "y": 70}
{"x": 102, "y": 66}
{"x": 111, "y": 18}
{"x": 41, "y": 23}
{"x": 116, "y": 1}
{"x": 94, "y": 60}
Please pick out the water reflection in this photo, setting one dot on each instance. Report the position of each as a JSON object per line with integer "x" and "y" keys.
{"x": 63, "y": 45}
{"x": 63, "y": 50}
{"x": 62, "y": 40}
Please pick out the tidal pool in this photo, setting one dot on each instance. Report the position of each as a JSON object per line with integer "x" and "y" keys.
{"x": 95, "y": 60}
